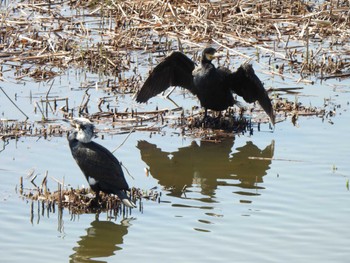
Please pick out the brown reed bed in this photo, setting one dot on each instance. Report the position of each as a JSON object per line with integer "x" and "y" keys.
{"x": 42, "y": 38}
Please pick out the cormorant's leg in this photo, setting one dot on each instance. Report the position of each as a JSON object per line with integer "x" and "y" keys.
{"x": 97, "y": 198}
{"x": 217, "y": 120}
{"x": 205, "y": 118}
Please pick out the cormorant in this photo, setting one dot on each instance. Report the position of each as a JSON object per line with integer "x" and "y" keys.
{"x": 213, "y": 86}
{"x": 100, "y": 167}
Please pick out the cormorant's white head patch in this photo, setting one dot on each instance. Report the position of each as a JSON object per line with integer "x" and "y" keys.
{"x": 84, "y": 130}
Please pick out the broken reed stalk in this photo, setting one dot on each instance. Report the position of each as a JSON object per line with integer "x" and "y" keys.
{"x": 120, "y": 145}
{"x": 54, "y": 100}
{"x": 67, "y": 109}
{"x": 41, "y": 111}
{"x": 48, "y": 92}
{"x": 127, "y": 171}
{"x": 60, "y": 206}
{"x": 273, "y": 159}
{"x": 84, "y": 105}
{"x": 14, "y": 104}
{"x": 21, "y": 185}
{"x": 31, "y": 212}
{"x": 307, "y": 47}
{"x": 44, "y": 184}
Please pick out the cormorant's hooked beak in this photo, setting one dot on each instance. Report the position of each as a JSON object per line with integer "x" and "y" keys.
{"x": 76, "y": 123}
{"x": 79, "y": 121}
{"x": 217, "y": 54}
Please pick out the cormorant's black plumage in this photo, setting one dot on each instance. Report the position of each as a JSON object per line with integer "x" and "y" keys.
{"x": 213, "y": 86}
{"x": 100, "y": 167}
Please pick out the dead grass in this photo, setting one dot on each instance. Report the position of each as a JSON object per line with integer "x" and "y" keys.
{"x": 45, "y": 38}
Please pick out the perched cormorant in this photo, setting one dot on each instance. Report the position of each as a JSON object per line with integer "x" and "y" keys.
{"x": 100, "y": 167}
{"x": 213, "y": 86}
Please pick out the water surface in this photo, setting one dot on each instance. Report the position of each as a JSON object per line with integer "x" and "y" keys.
{"x": 289, "y": 203}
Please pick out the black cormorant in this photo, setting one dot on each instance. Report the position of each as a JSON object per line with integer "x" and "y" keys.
{"x": 100, "y": 167}
{"x": 213, "y": 86}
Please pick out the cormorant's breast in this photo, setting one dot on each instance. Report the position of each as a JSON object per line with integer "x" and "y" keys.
{"x": 212, "y": 91}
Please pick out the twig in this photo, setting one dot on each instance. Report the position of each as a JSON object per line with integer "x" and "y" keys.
{"x": 56, "y": 180}
{"x": 48, "y": 92}
{"x": 273, "y": 159}
{"x": 14, "y": 104}
{"x": 132, "y": 130}
{"x": 126, "y": 169}
{"x": 42, "y": 113}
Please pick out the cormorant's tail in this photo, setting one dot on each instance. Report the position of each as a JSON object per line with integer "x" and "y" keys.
{"x": 124, "y": 198}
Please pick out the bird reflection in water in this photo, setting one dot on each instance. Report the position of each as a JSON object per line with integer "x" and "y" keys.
{"x": 208, "y": 165}
{"x": 102, "y": 239}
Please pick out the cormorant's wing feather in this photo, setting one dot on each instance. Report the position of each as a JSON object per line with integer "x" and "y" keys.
{"x": 174, "y": 70}
{"x": 99, "y": 163}
{"x": 246, "y": 84}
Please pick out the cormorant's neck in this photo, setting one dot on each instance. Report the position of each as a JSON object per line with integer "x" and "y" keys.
{"x": 73, "y": 140}
{"x": 205, "y": 62}
{"x": 72, "y": 137}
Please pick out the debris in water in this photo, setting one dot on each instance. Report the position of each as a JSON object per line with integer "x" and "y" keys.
{"x": 80, "y": 201}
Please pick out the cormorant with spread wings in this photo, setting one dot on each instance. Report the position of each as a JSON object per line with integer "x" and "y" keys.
{"x": 213, "y": 86}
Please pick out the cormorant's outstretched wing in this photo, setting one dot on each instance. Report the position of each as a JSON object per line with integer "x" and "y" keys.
{"x": 246, "y": 84}
{"x": 174, "y": 70}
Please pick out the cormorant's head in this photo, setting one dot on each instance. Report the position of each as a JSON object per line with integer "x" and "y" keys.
{"x": 208, "y": 54}
{"x": 84, "y": 129}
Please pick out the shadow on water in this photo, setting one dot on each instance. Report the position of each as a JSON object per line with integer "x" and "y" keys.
{"x": 208, "y": 165}
{"x": 102, "y": 239}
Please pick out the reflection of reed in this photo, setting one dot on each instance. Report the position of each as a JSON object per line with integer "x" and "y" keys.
{"x": 208, "y": 165}
{"x": 101, "y": 241}
{"x": 60, "y": 225}
{"x": 48, "y": 208}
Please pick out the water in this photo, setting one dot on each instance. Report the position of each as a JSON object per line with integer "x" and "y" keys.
{"x": 274, "y": 196}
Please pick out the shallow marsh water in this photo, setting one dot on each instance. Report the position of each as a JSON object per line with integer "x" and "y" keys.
{"x": 288, "y": 204}
{"x": 275, "y": 196}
